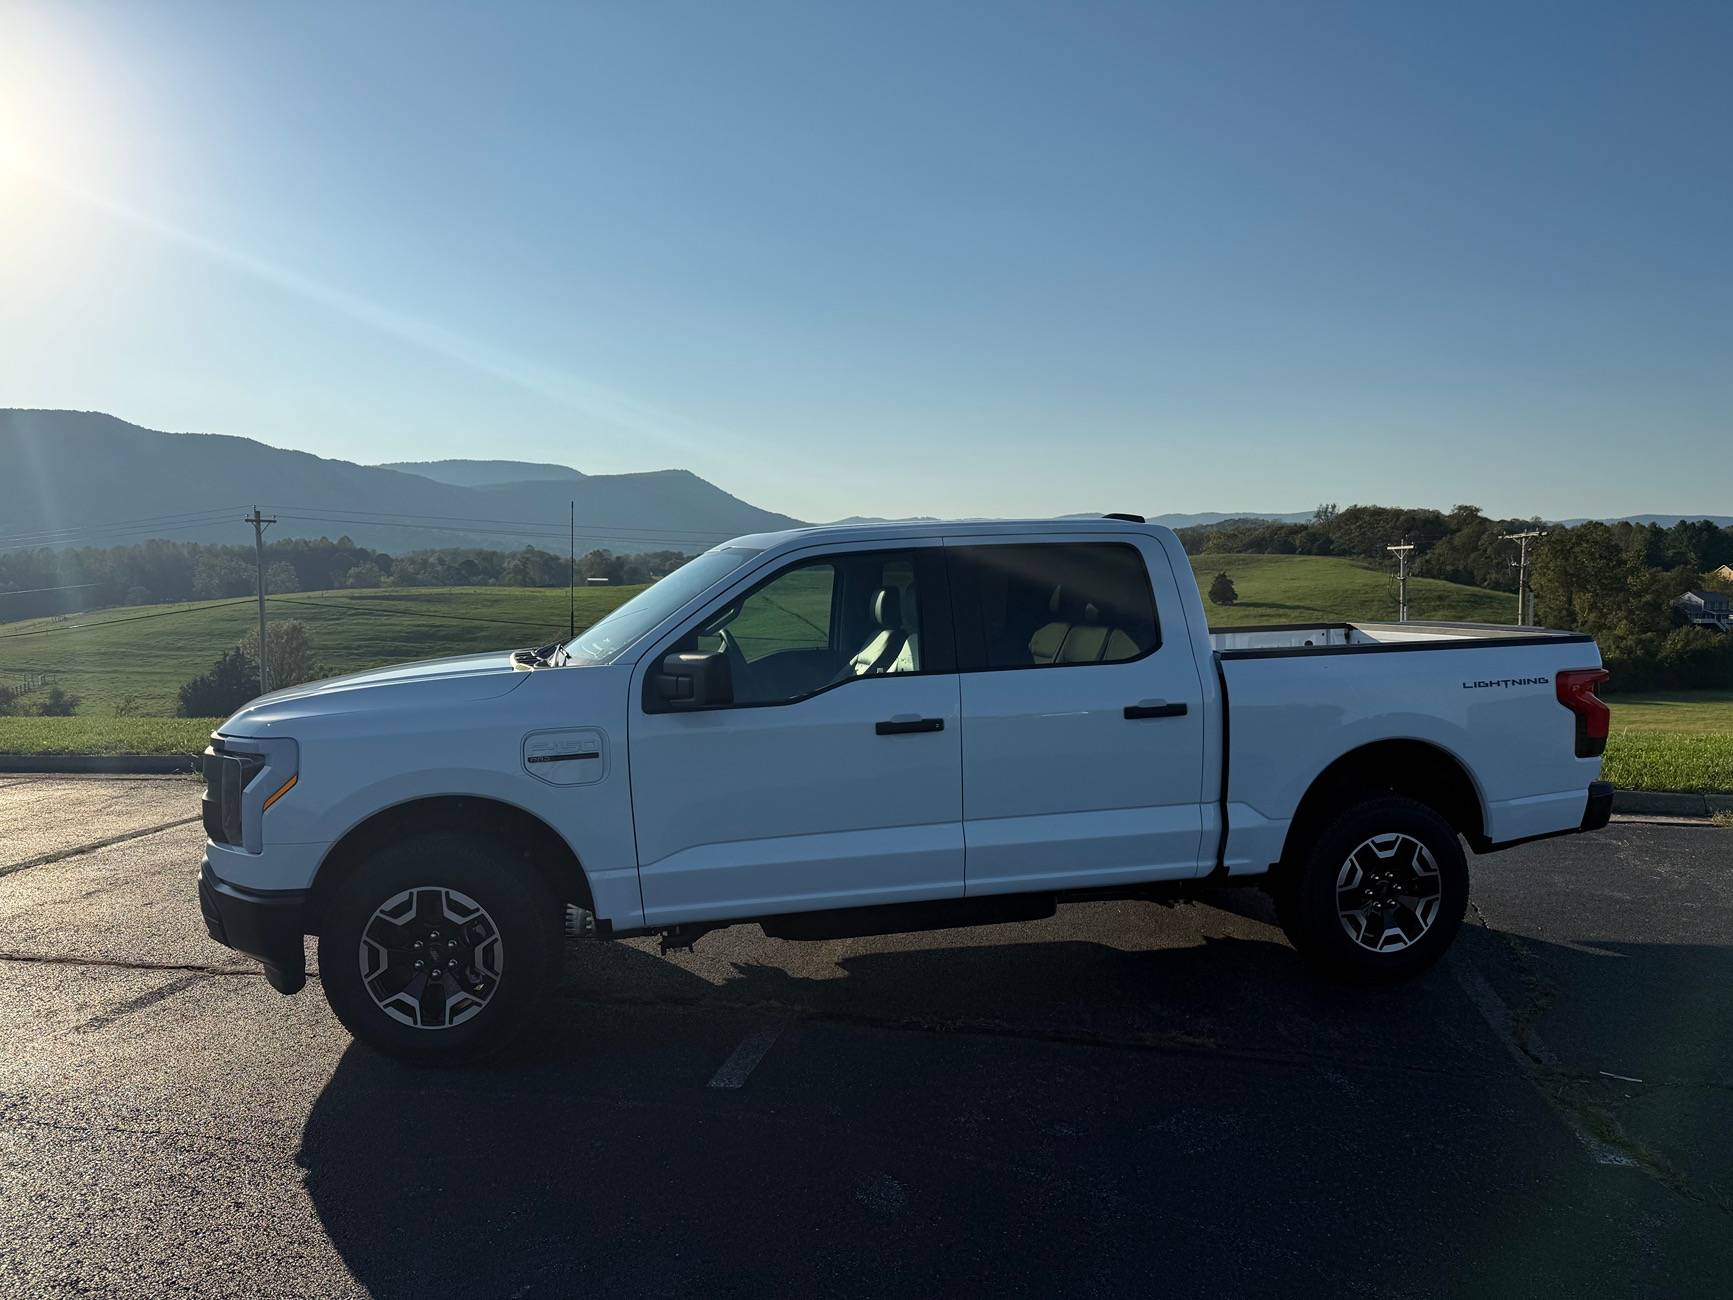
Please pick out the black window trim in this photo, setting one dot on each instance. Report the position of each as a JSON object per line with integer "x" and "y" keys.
{"x": 932, "y": 589}
{"x": 966, "y": 606}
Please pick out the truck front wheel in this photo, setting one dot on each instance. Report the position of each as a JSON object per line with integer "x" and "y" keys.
{"x": 439, "y": 947}
{"x": 1379, "y": 894}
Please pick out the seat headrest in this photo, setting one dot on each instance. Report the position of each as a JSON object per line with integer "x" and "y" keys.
{"x": 887, "y": 608}
{"x": 1056, "y": 602}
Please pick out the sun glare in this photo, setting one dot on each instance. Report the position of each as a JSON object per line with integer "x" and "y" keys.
{"x": 58, "y": 118}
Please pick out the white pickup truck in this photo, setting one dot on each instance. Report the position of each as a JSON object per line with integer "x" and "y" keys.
{"x": 860, "y": 730}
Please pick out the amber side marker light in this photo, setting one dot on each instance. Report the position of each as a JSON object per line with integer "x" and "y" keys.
{"x": 282, "y": 790}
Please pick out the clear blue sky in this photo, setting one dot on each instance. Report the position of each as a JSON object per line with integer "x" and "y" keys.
{"x": 886, "y": 259}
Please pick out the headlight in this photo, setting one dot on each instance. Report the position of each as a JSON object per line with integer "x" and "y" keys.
{"x": 244, "y": 775}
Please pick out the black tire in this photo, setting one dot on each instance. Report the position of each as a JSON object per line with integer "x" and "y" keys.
{"x": 1384, "y": 940}
{"x": 505, "y": 957}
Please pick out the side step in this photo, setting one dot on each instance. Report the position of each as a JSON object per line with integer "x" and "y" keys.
{"x": 904, "y": 918}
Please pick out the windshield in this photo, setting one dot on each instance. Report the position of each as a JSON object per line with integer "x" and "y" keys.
{"x": 602, "y": 642}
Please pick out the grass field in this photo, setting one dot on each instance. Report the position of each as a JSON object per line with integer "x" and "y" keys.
{"x": 148, "y": 651}
{"x": 99, "y": 735}
{"x": 1672, "y": 740}
{"x": 1662, "y": 741}
{"x": 1319, "y": 588}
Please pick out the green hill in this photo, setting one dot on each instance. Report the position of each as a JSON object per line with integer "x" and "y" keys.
{"x": 1318, "y": 588}
{"x": 148, "y": 651}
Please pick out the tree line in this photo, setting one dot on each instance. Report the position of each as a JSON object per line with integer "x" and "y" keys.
{"x": 160, "y": 572}
{"x": 1461, "y": 545}
{"x": 1617, "y": 582}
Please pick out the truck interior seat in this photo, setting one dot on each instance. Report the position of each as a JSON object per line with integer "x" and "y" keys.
{"x": 882, "y": 652}
{"x": 1092, "y": 641}
{"x": 1049, "y": 639}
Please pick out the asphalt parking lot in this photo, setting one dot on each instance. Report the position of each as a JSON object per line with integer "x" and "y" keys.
{"x": 1127, "y": 1098}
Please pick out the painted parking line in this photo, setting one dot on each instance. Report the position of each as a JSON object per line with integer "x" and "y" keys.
{"x": 746, "y": 1057}
{"x": 1497, "y": 1016}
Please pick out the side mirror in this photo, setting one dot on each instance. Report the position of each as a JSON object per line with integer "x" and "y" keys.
{"x": 692, "y": 681}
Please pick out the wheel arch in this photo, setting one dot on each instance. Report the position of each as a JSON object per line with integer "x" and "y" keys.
{"x": 539, "y": 845}
{"x": 1418, "y": 769}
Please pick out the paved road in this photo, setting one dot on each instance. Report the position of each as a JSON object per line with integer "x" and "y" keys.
{"x": 1123, "y": 1098}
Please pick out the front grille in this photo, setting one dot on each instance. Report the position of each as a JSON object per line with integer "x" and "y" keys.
{"x": 226, "y": 776}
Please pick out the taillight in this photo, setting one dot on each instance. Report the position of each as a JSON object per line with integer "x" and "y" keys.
{"x": 1576, "y": 691}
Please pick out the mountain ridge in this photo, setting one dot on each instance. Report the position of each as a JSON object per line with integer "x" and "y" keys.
{"x": 88, "y": 478}
{"x": 484, "y": 473}
{"x": 133, "y": 483}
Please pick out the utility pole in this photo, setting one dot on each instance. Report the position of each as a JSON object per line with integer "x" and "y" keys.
{"x": 572, "y": 572}
{"x": 1401, "y": 553}
{"x": 1524, "y": 597}
{"x": 260, "y": 523}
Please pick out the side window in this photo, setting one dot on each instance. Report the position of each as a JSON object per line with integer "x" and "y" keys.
{"x": 791, "y": 612}
{"x": 820, "y": 623}
{"x": 1052, "y": 605}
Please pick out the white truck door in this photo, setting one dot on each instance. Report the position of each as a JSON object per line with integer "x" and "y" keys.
{"x": 834, "y": 779}
{"x": 1082, "y": 713}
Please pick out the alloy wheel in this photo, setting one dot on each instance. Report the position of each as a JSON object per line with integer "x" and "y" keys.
{"x": 1388, "y": 893}
{"x": 431, "y": 957}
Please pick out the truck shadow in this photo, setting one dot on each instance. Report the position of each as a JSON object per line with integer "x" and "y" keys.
{"x": 944, "y": 1115}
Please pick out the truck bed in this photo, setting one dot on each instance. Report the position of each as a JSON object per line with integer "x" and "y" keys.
{"x": 1299, "y": 697}
{"x": 1265, "y": 641}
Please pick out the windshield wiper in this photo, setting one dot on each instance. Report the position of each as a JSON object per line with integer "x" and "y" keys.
{"x": 551, "y": 655}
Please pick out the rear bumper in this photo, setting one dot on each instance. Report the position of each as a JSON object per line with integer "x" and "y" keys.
{"x": 1597, "y": 812}
{"x": 267, "y": 926}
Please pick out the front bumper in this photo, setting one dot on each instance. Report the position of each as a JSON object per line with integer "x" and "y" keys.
{"x": 267, "y": 926}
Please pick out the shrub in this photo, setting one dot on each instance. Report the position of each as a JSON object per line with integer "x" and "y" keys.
{"x": 58, "y": 703}
{"x": 1221, "y": 590}
{"x": 289, "y": 656}
{"x": 221, "y": 689}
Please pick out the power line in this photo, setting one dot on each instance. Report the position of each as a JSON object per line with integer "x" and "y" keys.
{"x": 475, "y": 519}
{"x": 120, "y": 524}
{"x": 108, "y": 540}
{"x": 152, "y": 526}
{"x": 545, "y": 535}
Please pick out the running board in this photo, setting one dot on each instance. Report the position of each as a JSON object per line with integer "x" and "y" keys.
{"x": 906, "y": 918}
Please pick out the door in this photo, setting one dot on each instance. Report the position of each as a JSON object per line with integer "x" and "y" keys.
{"x": 1082, "y": 724}
{"x": 834, "y": 779}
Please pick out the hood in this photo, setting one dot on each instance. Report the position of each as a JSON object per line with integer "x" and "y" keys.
{"x": 428, "y": 683}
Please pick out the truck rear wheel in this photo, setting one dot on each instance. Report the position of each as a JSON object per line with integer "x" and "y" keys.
{"x": 1380, "y": 893}
{"x": 439, "y": 947}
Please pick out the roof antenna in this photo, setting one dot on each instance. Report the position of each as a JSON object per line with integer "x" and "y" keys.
{"x": 572, "y": 570}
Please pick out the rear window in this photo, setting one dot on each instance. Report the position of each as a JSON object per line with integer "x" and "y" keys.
{"x": 1053, "y": 605}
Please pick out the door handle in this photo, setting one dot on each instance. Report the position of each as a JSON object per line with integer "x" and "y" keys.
{"x": 908, "y": 726}
{"x": 1154, "y": 709}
